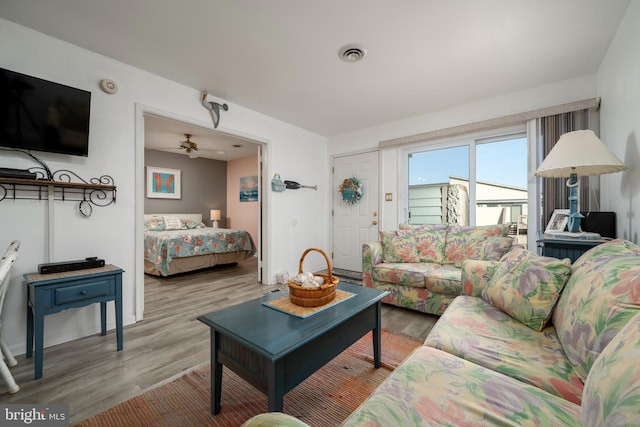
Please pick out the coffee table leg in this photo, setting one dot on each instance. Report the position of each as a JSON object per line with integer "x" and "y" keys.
{"x": 377, "y": 336}
{"x": 216, "y": 375}
{"x": 275, "y": 388}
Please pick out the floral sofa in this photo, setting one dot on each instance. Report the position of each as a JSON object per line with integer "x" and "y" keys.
{"x": 421, "y": 265}
{"x": 534, "y": 341}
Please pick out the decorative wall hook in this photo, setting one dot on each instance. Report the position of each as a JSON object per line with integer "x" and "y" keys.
{"x": 214, "y": 108}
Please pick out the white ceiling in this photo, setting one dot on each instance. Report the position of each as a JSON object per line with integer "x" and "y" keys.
{"x": 280, "y": 57}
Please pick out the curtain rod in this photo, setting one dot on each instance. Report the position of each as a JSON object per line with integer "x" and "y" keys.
{"x": 493, "y": 123}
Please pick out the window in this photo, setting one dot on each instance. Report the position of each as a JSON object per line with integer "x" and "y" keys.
{"x": 478, "y": 181}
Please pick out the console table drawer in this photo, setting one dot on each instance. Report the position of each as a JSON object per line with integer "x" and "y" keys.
{"x": 83, "y": 292}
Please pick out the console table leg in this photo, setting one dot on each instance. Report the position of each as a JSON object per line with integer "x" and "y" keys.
{"x": 103, "y": 318}
{"x": 118, "y": 307}
{"x": 29, "y": 331}
{"x": 39, "y": 333}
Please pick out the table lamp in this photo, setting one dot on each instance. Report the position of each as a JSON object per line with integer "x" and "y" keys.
{"x": 578, "y": 153}
{"x": 215, "y": 217}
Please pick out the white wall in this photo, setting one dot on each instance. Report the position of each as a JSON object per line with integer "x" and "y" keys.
{"x": 619, "y": 87}
{"x": 296, "y": 220}
{"x": 392, "y": 174}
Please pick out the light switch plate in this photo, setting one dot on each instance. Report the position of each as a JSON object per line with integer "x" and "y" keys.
{"x": 388, "y": 197}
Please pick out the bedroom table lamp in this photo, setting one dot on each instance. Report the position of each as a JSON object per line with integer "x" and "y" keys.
{"x": 578, "y": 153}
{"x": 215, "y": 215}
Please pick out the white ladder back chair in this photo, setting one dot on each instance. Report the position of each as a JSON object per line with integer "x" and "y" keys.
{"x": 6, "y": 264}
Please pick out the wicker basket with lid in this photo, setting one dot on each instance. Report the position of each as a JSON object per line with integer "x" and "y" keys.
{"x": 310, "y": 297}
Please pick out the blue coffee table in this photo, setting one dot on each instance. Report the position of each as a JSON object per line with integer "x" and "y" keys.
{"x": 276, "y": 351}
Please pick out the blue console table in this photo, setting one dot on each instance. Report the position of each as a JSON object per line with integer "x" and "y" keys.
{"x": 51, "y": 293}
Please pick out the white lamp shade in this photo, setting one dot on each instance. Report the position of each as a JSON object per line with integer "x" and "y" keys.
{"x": 580, "y": 152}
{"x": 215, "y": 215}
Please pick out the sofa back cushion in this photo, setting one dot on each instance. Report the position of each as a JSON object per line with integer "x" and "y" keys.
{"x": 612, "y": 390}
{"x": 484, "y": 242}
{"x": 601, "y": 296}
{"x": 399, "y": 246}
{"x": 430, "y": 240}
{"x": 527, "y": 286}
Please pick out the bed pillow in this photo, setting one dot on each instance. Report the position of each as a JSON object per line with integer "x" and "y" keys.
{"x": 399, "y": 246}
{"x": 154, "y": 224}
{"x": 527, "y": 286}
{"x": 174, "y": 223}
{"x": 191, "y": 224}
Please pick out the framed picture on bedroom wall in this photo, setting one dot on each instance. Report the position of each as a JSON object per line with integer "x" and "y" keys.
{"x": 163, "y": 183}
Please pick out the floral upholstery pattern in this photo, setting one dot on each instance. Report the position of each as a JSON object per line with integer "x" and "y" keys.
{"x": 475, "y": 276}
{"x": 466, "y": 242}
{"x": 600, "y": 297}
{"x": 527, "y": 286}
{"x": 430, "y": 240}
{"x": 612, "y": 390}
{"x": 389, "y": 261}
{"x": 475, "y": 330}
{"x": 154, "y": 224}
{"x": 432, "y": 387}
{"x": 399, "y": 246}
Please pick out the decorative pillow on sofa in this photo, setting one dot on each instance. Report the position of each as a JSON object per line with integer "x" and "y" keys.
{"x": 173, "y": 223}
{"x": 399, "y": 246}
{"x": 154, "y": 224}
{"x": 527, "y": 286}
{"x": 430, "y": 239}
{"x": 466, "y": 242}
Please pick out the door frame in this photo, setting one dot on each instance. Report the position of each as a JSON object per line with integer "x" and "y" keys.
{"x": 263, "y": 219}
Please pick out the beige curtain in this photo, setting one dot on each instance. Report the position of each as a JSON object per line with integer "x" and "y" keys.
{"x": 555, "y": 194}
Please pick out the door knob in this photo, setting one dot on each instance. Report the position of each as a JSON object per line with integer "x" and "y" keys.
{"x": 374, "y": 222}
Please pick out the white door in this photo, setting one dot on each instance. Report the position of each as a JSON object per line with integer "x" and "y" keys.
{"x": 355, "y": 224}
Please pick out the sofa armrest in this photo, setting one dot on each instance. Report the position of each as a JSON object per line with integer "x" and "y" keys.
{"x": 476, "y": 275}
{"x": 372, "y": 255}
{"x": 271, "y": 419}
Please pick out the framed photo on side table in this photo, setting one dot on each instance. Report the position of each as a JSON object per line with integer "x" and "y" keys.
{"x": 558, "y": 221}
{"x": 163, "y": 183}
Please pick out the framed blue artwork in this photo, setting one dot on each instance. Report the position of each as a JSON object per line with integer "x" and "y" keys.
{"x": 249, "y": 188}
{"x": 163, "y": 183}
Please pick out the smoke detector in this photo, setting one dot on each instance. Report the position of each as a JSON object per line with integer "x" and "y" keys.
{"x": 352, "y": 53}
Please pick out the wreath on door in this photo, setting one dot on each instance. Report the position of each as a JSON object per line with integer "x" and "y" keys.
{"x": 351, "y": 190}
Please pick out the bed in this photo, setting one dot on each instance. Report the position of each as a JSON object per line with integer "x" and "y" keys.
{"x": 179, "y": 243}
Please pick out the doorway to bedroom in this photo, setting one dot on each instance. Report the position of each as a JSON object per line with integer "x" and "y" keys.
{"x": 214, "y": 179}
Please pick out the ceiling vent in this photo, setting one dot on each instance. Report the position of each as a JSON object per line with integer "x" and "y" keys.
{"x": 352, "y": 53}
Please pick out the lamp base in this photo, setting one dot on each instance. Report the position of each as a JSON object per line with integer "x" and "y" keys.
{"x": 214, "y": 224}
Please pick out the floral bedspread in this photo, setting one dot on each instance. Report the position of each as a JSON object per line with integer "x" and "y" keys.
{"x": 160, "y": 247}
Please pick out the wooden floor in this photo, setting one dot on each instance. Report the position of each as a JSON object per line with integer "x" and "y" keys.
{"x": 90, "y": 376}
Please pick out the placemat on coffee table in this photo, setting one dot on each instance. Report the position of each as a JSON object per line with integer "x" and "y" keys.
{"x": 285, "y": 305}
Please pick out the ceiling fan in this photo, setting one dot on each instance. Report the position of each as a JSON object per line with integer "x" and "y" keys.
{"x": 189, "y": 146}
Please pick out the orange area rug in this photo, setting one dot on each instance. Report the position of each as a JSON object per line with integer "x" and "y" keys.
{"x": 324, "y": 399}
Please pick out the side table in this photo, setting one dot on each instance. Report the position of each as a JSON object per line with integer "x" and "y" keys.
{"x": 51, "y": 293}
{"x": 567, "y": 248}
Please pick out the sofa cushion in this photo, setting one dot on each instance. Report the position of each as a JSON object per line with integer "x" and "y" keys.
{"x": 408, "y": 273}
{"x": 468, "y": 242}
{"x": 600, "y": 297}
{"x": 430, "y": 240}
{"x": 432, "y": 387}
{"x": 475, "y": 330}
{"x": 612, "y": 391}
{"x": 422, "y": 299}
{"x": 475, "y": 275}
{"x": 527, "y": 286}
{"x": 399, "y": 246}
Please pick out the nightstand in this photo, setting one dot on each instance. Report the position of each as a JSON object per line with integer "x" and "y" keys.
{"x": 51, "y": 293}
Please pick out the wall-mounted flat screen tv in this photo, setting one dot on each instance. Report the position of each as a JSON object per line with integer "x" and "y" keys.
{"x": 37, "y": 114}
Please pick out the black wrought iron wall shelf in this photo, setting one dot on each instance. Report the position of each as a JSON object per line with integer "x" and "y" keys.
{"x": 64, "y": 185}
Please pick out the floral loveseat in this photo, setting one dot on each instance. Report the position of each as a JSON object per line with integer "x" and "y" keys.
{"x": 421, "y": 265}
{"x": 493, "y": 359}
